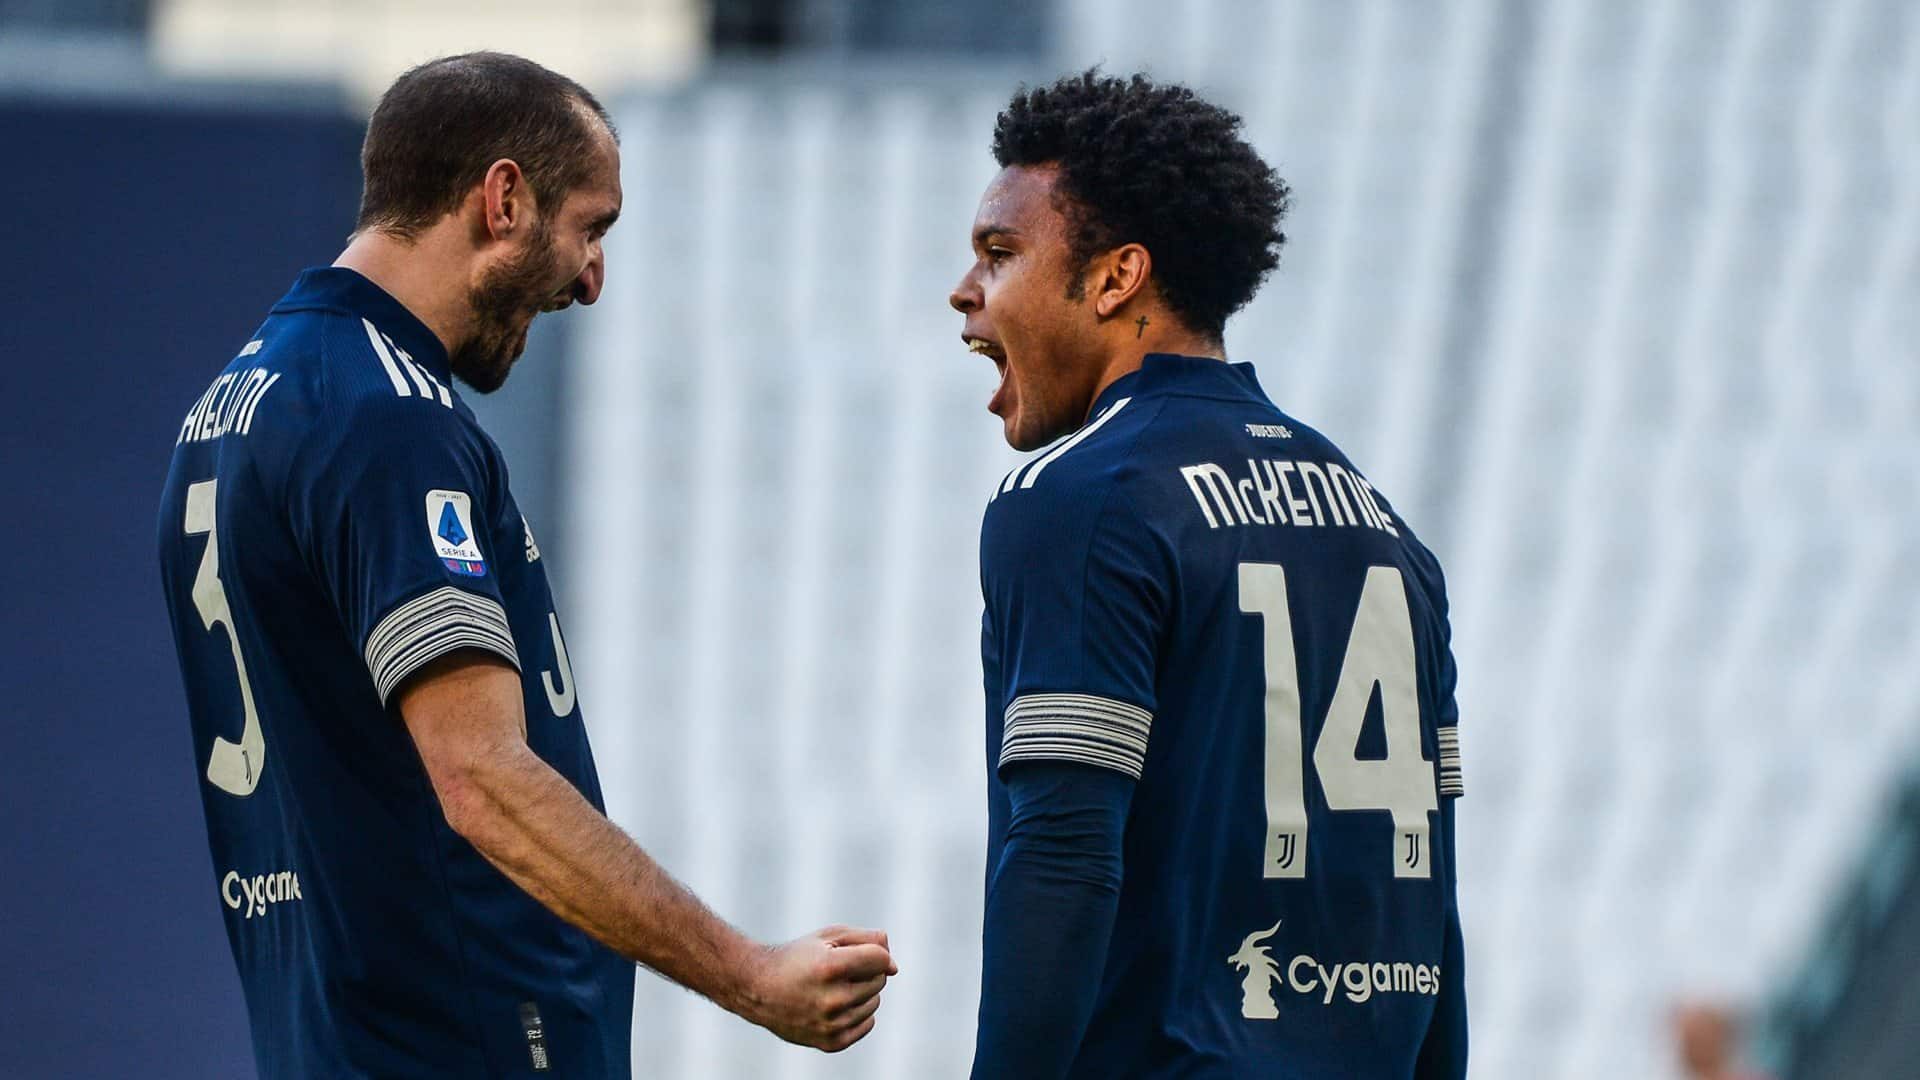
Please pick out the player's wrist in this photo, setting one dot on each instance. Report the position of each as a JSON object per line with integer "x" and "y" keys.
{"x": 748, "y": 991}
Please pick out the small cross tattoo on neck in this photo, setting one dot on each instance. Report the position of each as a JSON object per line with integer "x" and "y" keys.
{"x": 1140, "y": 322}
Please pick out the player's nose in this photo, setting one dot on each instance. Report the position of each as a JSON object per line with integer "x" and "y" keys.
{"x": 966, "y": 298}
{"x": 586, "y": 287}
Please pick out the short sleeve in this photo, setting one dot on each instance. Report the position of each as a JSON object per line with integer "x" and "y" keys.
{"x": 394, "y": 517}
{"x": 1077, "y": 590}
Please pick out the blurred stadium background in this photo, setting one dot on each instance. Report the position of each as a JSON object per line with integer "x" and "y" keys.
{"x": 1618, "y": 298}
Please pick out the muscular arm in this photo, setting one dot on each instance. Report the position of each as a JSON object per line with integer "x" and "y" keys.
{"x": 465, "y": 715}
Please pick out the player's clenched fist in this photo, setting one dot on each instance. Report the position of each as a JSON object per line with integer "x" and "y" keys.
{"x": 822, "y": 990}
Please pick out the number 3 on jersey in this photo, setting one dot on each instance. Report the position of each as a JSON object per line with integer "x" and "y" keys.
{"x": 1379, "y": 652}
{"x": 234, "y": 767}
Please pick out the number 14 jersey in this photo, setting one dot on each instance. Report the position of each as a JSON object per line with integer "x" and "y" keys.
{"x": 1201, "y": 593}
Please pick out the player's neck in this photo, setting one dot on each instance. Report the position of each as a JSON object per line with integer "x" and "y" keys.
{"x": 423, "y": 273}
{"x": 1153, "y": 332}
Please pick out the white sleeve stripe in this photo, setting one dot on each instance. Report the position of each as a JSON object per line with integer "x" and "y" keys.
{"x": 1034, "y": 472}
{"x": 1028, "y": 700}
{"x": 435, "y": 645}
{"x": 400, "y": 623}
{"x": 1077, "y": 727}
{"x": 1054, "y": 742}
{"x": 1117, "y": 727}
{"x": 1071, "y": 727}
{"x": 431, "y": 626}
{"x": 1085, "y": 755}
{"x": 1117, "y": 712}
{"x": 1451, "y": 782}
{"x": 386, "y": 360}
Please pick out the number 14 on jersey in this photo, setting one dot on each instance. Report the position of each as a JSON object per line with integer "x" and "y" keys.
{"x": 1380, "y": 651}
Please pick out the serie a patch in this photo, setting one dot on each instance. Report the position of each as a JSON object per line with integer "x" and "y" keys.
{"x": 450, "y": 527}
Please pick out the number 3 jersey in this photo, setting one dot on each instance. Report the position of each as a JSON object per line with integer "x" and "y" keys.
{"x": 334, "y": 518}
{"x": 1199, "y": 592}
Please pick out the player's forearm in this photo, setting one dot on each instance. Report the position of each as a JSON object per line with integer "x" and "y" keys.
{"x": 538, "y": 829}
{"x": 1049, "y": 918}
{"x": 1045, "y": 946}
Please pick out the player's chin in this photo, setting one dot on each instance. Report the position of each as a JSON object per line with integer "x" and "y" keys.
{"x": 486, "y": 376}
{"x": 1014, "y": 421}
{"x": 1010, "y": 425}
{"x": 1027, "y": 430}
{"x": 1022, "y": 439}
{"x": 493, "y": 380}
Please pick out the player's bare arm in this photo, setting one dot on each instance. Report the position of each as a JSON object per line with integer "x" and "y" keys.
{"x": 465, "y": 714}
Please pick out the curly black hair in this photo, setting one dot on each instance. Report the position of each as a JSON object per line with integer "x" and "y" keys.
{"x": 1158, "y": 166}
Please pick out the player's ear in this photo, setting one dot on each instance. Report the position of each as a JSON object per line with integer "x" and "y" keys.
{"x": 506, "y": 203}
{"x": 1119, "y": 276}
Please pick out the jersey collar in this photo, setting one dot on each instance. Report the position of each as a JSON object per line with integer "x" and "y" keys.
{"x": 336, "y": 288}
{"x": 1164, "y": 372}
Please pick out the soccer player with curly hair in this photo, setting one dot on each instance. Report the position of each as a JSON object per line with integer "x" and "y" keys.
{"x": 1221, "y": 731}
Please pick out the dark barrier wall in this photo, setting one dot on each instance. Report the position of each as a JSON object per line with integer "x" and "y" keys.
{"x": 140, "y": 247}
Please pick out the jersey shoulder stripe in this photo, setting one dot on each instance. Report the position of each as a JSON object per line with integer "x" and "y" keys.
{"x": 396, "y": 359}
{"x": 1026, "y": 475}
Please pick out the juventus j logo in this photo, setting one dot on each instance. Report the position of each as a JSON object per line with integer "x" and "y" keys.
{"x": 560, "y": 695}
{"x": 1412, "y": 857}
{"x": 1284, "y": 860}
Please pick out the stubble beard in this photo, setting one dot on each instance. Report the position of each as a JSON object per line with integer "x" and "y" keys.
{"x": 504, "y": 304}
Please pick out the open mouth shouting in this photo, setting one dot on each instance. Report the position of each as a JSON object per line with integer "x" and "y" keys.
{"x": 992, "y": 351}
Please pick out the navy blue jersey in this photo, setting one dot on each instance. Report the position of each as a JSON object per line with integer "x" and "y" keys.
{"x": 333, "y": 519}
{"x": 1201, "y": 593}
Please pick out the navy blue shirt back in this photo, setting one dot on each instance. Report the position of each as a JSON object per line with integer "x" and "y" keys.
{"x": 333, "y": 519}
{"x": 1199, "y": 592}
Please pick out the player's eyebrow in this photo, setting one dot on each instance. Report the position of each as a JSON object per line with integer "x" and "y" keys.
{"x": 605, "y": 221}
{"x": 987, "y": 232}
